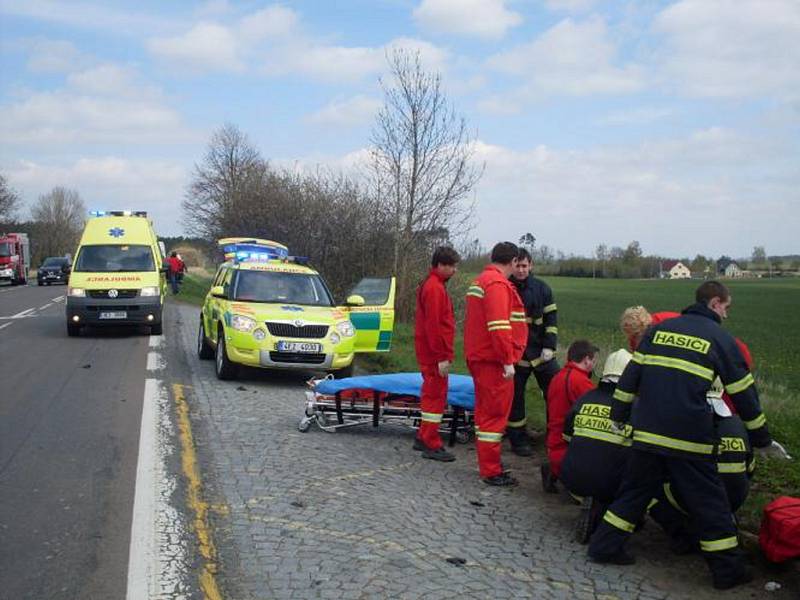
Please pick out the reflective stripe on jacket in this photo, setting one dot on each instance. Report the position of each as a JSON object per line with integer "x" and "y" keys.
{"x": 542, "y": 315}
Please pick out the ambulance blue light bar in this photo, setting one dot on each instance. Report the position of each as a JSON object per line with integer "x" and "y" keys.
{"x": 252, "y": 249}
{"x": 118, "y": 213}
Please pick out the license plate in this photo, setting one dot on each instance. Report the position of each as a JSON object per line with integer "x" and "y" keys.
{"x": 117, "y": 314}
{"x": 298, "y": 347}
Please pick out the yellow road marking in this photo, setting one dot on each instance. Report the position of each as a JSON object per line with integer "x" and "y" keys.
{"x": 194, "y": 497}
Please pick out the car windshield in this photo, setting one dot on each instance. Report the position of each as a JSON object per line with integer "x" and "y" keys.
{"x": 54, "y": 262}
{"x": 5, "y": 249}
{"x": 291, "y": 288}
{"x": 111, "y": 258}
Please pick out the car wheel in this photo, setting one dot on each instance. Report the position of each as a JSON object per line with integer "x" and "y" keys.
{"x": 39, "y": 282}
{"x": 224, "y": 367}
{"x": 157, "y": 329}
{"x": 73, "y": 330}
{"x": 204, "y": 350}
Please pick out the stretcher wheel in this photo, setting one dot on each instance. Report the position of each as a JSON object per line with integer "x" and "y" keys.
{"x": 304, "y": 425}
{"x": 463, "y": 437}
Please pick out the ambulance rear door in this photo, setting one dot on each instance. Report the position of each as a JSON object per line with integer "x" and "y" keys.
{"x": 373, "y": 318}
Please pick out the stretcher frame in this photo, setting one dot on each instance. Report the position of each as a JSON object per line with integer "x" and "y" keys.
{"x": 360, "y": 407}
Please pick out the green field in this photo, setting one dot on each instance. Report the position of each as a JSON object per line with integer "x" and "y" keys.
{"x": 764, "y": 314}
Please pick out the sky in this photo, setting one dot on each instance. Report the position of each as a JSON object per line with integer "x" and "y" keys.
{"x": 672, "y": 123}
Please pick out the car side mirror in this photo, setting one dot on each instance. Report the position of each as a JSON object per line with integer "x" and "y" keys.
{"x": 355, "y": 300}
{"x": 218, "y": 291}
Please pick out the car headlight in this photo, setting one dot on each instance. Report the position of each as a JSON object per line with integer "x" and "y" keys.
{"x": 335, "y": 339}
{"x": 259, "y": 334}
{"x": 241, "y": 323}
{"x": 151, "y": 290}
{"x": 346, "y": 329}
{"x": 76, "y": 292}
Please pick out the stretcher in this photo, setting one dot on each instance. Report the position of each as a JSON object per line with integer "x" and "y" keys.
{"x": 333, "y": 404}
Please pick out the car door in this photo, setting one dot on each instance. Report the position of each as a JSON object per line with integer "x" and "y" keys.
{"x": 212, "y": 307}
{"x": 374, "y": 319}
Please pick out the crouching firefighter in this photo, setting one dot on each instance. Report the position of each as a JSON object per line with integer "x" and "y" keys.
{"x": 735, "y": 465}
{"x": 539, "y": 356}
{"x": 597, "y": 455}
{"x": 674, "y": 438}
{"x": 494, "y": 338}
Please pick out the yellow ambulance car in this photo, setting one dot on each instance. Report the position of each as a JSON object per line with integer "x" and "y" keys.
{"x": 117, "y": 276}
{"x": 267, "y": 309}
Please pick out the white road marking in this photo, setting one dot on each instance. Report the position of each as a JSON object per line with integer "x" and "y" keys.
{"x": 5, "y": 325}
{"x": 156, "y": 341}
{"x": 58, "y": 299}
{"x": 22, "y": 314}
{"x": 154, "y": 361}
{"x": 143, "y": 555}
{"x": 48, "y": 305}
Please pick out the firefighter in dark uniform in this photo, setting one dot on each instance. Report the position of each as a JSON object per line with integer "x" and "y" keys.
{"x": 539, "y": 357}
{"x": 735, "y": 465}
{"x": 597, "y": 455}
{"x": 674, "y": 437}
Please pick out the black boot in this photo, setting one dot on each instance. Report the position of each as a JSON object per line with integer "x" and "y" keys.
{"x": 520, "y": 442}
{"x": 548, "y": 480}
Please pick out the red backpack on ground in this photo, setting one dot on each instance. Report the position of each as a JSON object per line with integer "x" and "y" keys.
{"x": 780, "y": 529}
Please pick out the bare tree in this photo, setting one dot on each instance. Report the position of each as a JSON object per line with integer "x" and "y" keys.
{"x": 421, "y": 161}
{"x": 9, "y": 201}
{"x": 59, "y": 218}
{"x": 225, "y": 184}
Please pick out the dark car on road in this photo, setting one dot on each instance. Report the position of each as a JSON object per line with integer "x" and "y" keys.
{"x": 54, "y": 269}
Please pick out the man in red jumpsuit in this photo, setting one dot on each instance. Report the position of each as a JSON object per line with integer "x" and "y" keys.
{"x": 569, "y": 384}
{"x": 434, "y": 330}
{"x": 495, "y": 334}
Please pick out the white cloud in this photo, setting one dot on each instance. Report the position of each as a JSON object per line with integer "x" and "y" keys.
{"x": 108, "y": 103}
{"x": 574, "y": 200}
{"x": 110, "y": 182}
{"x": 482, "y": 18}
{"x": 716, "y": 49}
{"x": 354, "y": 111}
{"x": 570, "y": 5}
{"x": 54, "y": 56}
{"x": 637, "y": 116}
{"x": 273, "y": 21}
{"x": 571, "y": 58}
{"x": 205, "y": 47}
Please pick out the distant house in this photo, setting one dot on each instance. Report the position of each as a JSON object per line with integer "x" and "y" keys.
{"x": 674, "y": 269}
{"x": 729, "y": 268}
{"x": 733, "y": 270}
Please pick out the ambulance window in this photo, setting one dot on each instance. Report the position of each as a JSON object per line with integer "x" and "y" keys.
{"x": 226, "y": 282}
{"x": 374, "y": 290}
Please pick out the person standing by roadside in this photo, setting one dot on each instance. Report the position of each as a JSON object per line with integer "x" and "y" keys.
{"x": 495, "y": 334}
{"x": 434, "y": 332}
{"x": 539, "y": 356}
{"x": 173, "y": 270}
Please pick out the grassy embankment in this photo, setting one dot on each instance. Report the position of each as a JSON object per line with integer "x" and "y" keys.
{"x": 764, "y": 315}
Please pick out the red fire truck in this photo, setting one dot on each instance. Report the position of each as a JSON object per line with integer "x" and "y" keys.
{"x": 15, "y": 258}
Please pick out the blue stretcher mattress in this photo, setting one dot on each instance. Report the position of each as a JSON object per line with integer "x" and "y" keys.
{"x": 460, "y": 390}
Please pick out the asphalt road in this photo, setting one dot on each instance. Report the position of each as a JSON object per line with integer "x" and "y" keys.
{"x": 70, "y": 410}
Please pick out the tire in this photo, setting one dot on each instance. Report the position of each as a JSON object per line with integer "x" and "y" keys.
{"x": 204, "y": 349}
{"x": 73, "y": 330}
{"x": 39, "y": 283}
{"x": 225, "y": 369}
{"x": 157, "y": 329}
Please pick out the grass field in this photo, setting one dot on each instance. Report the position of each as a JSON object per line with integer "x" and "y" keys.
{"x": 764, "y": 314}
